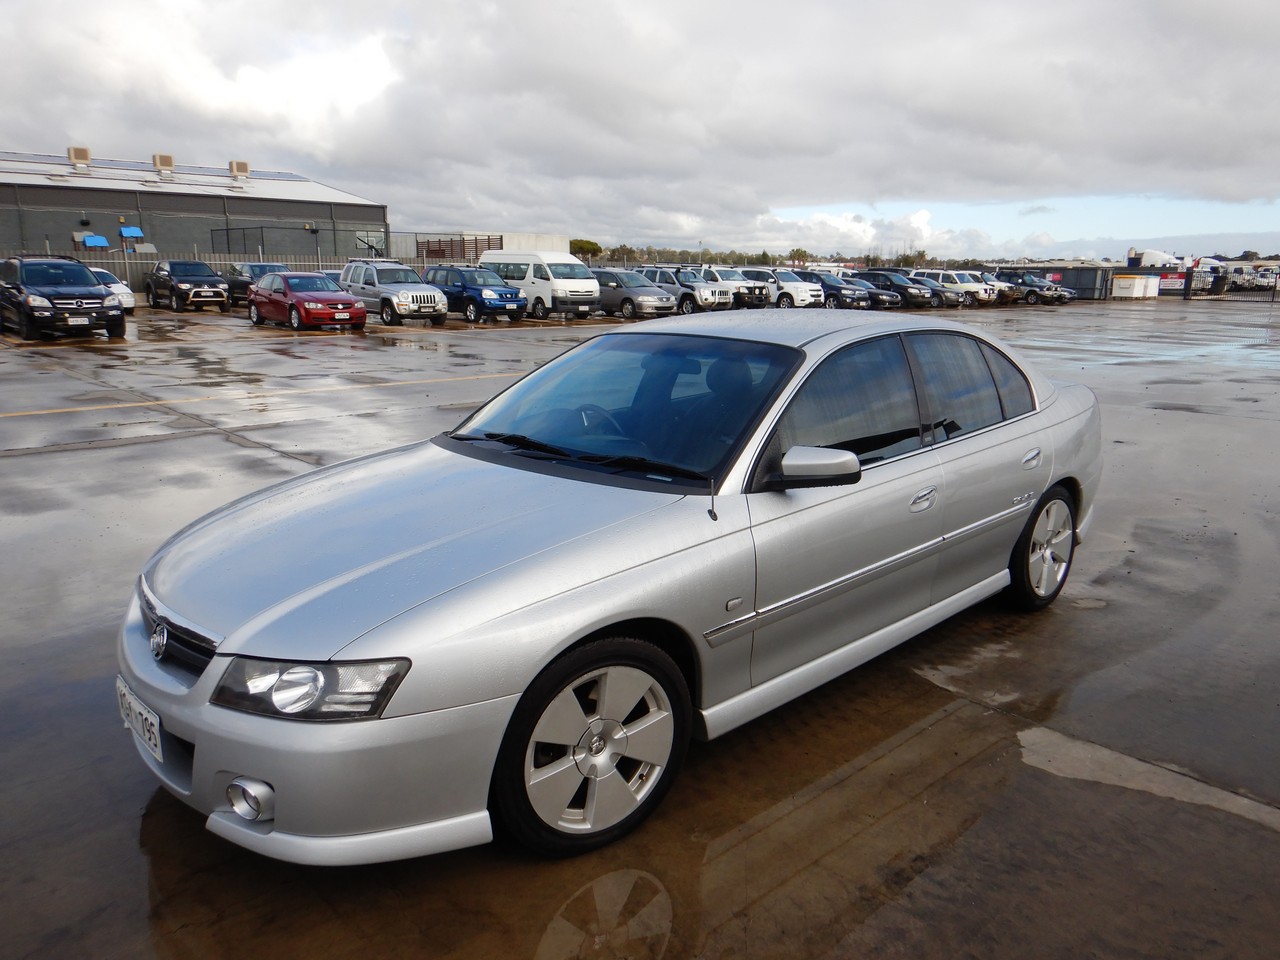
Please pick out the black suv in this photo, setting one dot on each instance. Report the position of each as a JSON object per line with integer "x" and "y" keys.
{"x": 241, "y": 276}
{"x": 836, "y": 294}
{"x": 186, "y": 283}
{"x": 39, "y": 294}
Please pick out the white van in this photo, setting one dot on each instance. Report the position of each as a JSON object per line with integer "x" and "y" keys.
{"x": 553, "y": 282}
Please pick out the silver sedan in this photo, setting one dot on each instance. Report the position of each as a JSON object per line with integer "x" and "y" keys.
{"x": 665, "y": 532}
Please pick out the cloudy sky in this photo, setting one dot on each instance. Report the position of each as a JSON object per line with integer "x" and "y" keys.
{"x": 983, "y": 128}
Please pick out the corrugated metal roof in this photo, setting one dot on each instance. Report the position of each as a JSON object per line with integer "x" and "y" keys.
{"x": 45, "y": 169}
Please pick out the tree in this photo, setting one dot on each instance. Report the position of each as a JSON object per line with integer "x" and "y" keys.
{"x": 585, "y": 249}
{"x": 799, "y": 256}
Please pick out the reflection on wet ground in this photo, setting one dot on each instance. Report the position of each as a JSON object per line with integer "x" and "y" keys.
{"x": 1094, "y": 781}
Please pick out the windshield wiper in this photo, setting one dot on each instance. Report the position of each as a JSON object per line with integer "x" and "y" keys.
{"x": 643, "y": 464}
{"x": 517, "y": 440}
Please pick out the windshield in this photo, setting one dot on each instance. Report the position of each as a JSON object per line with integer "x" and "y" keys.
{"x": 483, "y": 278}
{"x": 687, "y": 402}
{"x": 570, "y": 271}
{"x": 191, "y": 268}
{"x": 398, "y": 275}
{"x": 786, "y": 276}
{"x": 105, "y": 275}
{"x": 858, "y": 283}
{"x": 830, "y": 278}
{"x": 731, "y": 275}
{"x": 58, "y": 274}
{"x": 690, "y": 276}
{"x": 315, "y": 284}
{"x": 257, "y": 270}
{"x": 629, "y": 278}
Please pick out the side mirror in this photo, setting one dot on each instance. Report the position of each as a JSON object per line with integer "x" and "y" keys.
{"x": 816, "y": 467}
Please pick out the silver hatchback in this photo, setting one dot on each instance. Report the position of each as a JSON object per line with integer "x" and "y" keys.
{"x": 665, "y": 532}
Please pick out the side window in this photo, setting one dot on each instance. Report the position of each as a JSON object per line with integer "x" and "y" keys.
{"x": 9, "y": 272}
{"x": 861, "y": 399}
{"x": 959, "y": 390}
{"x": 540, "y": 272}
{"x": 1015, "y": 392}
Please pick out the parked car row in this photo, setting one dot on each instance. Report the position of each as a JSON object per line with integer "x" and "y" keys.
{"x": 505, "y": 284}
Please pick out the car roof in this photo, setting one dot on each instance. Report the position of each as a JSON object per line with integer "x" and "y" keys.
{"x": 792, "y": 328}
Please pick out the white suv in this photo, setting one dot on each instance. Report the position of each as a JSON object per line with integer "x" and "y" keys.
{"x": 968, "y": 285}
{"x": 786, "y": 289}
{"x": 393, "y": 291}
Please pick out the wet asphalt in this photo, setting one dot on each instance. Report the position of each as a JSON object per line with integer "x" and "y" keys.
{"x": 1096, "y": 780}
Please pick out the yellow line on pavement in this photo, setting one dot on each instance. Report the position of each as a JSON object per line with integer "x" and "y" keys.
{"x": 258, "y": 396}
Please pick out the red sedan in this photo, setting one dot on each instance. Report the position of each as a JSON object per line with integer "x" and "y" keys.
{"x": 303, "y": 300}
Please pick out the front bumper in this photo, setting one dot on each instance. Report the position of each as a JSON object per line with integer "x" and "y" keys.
{"x": 70, "y": 321}
{"x": 329, "y": 317}
{"x": 345, "y": 792}
{"x": 572, "y": 305}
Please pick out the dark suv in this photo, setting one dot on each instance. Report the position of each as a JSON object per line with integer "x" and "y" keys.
{"x": 186, "y": 283}
{"x": 476, "y": 292}
{"x": 836, "y": 294}
{"x": 39, "y": 294}
{"x": 241, "y": 276}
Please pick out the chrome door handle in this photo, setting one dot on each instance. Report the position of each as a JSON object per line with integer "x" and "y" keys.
{"x": 1031, "y": 460}
{"x": 924, "y": 499}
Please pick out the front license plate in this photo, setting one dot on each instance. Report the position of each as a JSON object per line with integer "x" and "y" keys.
{"x": 342, "y": 316}
{"x": 77, "y": 321}
{"x": 139, "y": 718}
{"x": 511, "y": 306}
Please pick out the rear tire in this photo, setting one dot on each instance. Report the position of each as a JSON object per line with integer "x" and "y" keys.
{"x": 1042, "y": 556}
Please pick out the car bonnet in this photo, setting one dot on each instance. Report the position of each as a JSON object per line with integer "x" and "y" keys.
{"x": 305, "y": 567}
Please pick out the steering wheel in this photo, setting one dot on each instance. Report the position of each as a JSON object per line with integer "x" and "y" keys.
{"x": 602, "y": 417}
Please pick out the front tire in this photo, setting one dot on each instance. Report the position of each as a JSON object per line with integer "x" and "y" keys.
{"x": 687, "y": 305}
{"x": 176, "y": 301}
{"x": 1042, "y": 556}
{"x": 539, "y": 310}
{"x": 628, "y": 310}
{"x": 471, "y": 312}
{"x": 295, "y": 318}
{"x": 389, "y": 316}
{"x": 151, "y": 298}
{"x": 832, "y": 302}
{"x": 1033, "y": 297}
{"x": 115, "y": 329}
{"x": 593, "y": 746}
{"x": 785, "y": 302}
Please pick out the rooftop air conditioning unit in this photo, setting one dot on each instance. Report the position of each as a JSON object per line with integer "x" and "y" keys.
{"x": 79, "y": 157}
{"x": 163, "y": 162}
{"x": 239, "y": 169}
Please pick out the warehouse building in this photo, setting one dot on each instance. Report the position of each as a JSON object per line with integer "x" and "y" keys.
{"x": 90, "y": 207}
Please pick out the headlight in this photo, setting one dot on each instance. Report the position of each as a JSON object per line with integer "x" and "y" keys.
{"x": 651, "y": 299}
{"x": 354, "y": 690}
{"x": 184, "y": 286}
{"x": 310, "y": 305}
{"x": 111, "y": 300}
{"x": 222, "y": 286}
{"x": 487, "y": 294}
{"x": 34, "y": 301}
{"x": 404, "y": 296}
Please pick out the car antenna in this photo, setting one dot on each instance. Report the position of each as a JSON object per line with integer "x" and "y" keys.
{"x": 711, "y": 511}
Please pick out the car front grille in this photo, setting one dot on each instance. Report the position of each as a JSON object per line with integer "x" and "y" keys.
{"x": 185, "y": 648}
{"x": 77, "y": 303}
{"x": 423, "y": 299}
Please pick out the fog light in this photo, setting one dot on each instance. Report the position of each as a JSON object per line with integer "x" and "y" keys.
{"x": 252, "y": 799}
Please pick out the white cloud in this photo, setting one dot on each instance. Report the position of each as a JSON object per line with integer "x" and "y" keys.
{"x": 677, "y": 123}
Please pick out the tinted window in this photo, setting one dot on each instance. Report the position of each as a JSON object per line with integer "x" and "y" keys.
{"x": 540, "y": 272}
{"x": 861, "y": 399}
{"x": 958, "y": 387}
{"x": 1015, "y": 392}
